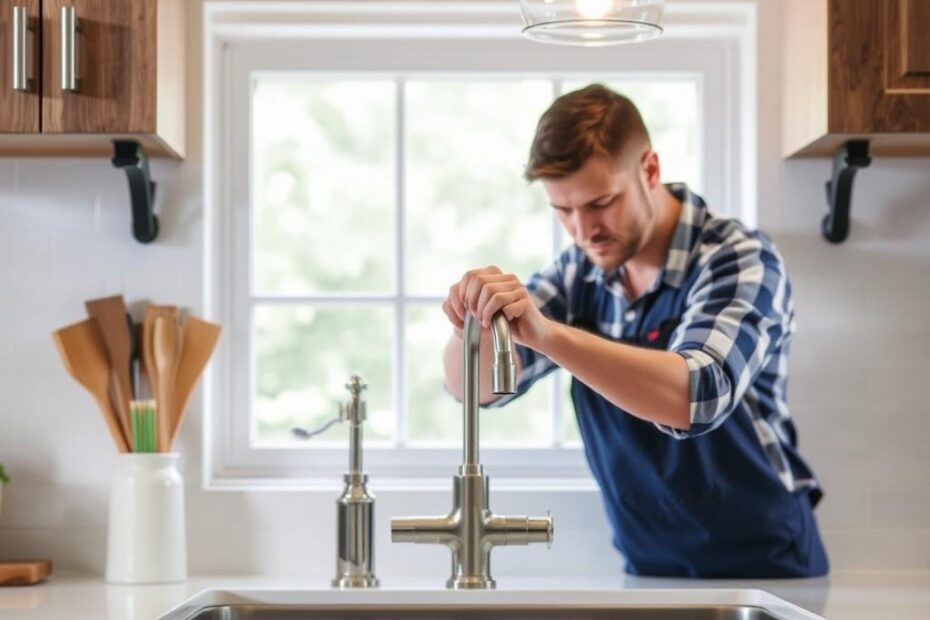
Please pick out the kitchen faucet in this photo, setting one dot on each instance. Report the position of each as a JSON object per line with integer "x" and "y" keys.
{"x": 471, "y": 530}
{"x": 355, "y": 507}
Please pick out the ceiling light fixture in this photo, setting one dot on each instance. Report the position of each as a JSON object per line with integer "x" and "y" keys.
{"x": 591, "y": 23}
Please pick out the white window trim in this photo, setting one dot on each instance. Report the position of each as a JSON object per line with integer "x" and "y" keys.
{"x": 726, "y": 29}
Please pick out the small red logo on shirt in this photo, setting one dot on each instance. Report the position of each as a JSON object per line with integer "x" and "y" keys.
{"x": 653, "y": 335}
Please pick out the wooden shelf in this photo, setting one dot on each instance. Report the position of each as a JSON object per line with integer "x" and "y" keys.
{"x": 79, "y": 145}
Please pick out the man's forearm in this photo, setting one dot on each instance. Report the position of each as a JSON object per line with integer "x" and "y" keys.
{"x": 649, "y": 384}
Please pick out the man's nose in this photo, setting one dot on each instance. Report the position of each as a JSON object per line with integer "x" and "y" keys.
{"x": 586, "y": 226}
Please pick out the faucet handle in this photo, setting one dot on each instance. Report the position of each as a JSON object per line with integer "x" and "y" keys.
{"x": 356, "y": 385}
{"x": 356, "y": 410}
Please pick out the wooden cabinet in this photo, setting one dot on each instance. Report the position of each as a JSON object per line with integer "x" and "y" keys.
{"x": 856, "y": 69}
{"x": 128, "y": 61}
{"x": 19, "y": 103}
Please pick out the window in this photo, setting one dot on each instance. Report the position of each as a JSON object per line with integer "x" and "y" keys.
{"x": 338, "y": 163}
{"x": 359, "y": 178}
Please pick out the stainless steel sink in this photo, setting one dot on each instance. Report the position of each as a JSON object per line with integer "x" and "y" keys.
{"x": 536, "y": 604}
{"x": 296, "y": 612}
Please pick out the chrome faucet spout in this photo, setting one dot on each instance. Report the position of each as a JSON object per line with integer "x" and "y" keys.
{"x": 503, "y": 380}
{"x": 471, "y": 530}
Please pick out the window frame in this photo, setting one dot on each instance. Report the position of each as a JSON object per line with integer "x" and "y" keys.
{"x": 243, "y": 37}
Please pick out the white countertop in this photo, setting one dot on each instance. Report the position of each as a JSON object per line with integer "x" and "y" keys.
{"x": 901, "y": 595}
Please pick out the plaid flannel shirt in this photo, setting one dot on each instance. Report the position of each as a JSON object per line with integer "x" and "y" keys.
{"x": 734, "y": 333}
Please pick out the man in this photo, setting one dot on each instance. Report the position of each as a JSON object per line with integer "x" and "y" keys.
{"x": 675, "y": 325}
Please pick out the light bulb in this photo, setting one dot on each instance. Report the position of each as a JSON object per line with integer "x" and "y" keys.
{"x": 593, "y": 9}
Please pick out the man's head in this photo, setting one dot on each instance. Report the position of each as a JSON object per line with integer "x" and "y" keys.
{"x": 593, "y": 155}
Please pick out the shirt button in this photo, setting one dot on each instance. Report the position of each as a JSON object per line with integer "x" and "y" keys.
{"x": 630, "y": 315}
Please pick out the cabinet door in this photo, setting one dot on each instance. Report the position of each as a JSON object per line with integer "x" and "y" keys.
{"x": 879, "y": 58}
{"x": 907, "y": 46}
{"x": 19, "y": 57}
{"x": 114, "y": 47}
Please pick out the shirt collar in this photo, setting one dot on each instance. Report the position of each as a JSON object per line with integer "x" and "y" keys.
{"x": 690, "y": 221}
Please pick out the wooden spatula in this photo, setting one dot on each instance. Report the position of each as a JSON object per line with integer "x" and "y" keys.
{"x": 110, "y": 315}
{"x": 199, "y": 340}
{"x": 166, "y": 349}
{"x": 85, "y": 358}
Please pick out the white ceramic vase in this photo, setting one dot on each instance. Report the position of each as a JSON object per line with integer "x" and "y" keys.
{"x": 146, "y": 540}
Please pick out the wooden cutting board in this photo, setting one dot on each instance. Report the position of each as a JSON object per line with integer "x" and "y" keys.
{"x": 24, "y": 573}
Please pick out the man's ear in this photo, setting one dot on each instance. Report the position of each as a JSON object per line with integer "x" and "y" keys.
{"x": 649, "y": 168}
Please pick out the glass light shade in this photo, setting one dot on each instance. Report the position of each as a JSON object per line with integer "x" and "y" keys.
{"x": 591, "y": 23}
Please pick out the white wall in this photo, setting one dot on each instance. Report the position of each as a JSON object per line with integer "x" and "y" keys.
{"x": 858, "y": 367}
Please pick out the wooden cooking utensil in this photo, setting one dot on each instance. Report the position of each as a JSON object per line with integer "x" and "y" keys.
{"x": 110, "y": 315}
{"x": 85, "y": 357}
{"x": 146, "y": 351}
{"x": 24, "y": 573}
{"x": 141, "y": 392}
{"x": 166, "y": 349}
{"x": 199, "y": 340}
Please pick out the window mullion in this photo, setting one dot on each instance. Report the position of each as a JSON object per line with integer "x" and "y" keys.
{"x": 400, "y": 262}
{"x": 555, "y": 392}
{"x": 555, "y": 386}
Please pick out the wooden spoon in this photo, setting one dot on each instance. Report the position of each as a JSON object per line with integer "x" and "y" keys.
{"x": 199, "y": 340}
{"x": 85, "y": 357}
{"x": 146, "y": 348}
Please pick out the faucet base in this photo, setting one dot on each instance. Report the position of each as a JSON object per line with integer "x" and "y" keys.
{"x": 471, "y": 582}
{"x": 355, "y": 581}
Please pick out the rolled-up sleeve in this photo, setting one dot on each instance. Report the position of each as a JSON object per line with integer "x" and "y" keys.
{"x": 738, "y": 314}
{"x": 548, "y": 291}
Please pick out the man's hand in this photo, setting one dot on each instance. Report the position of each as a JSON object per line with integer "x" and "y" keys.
{"x": 485, "y": 291}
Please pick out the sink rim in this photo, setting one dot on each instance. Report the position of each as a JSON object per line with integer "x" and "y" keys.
{"x": 527, "y": 611}
{"x": 524, "y": 598}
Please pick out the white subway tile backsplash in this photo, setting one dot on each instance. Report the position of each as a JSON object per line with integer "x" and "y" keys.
{"x": 7, "y": 174}
{"x": 25, "y": 254}
{"x": 71, "y": 548}
{"x": 38, "y": 502}
{"x": 900, "y": 506}
{"x": 877, "y": 549}
{"x": 893, "y": 393}
{"x": 37, "y": 214}
{"x": 845, "y": 503}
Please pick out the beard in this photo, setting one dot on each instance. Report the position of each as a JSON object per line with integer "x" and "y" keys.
{"x": 623, "y": 247}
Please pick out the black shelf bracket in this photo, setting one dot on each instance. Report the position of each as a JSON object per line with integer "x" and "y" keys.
{"x": 846, "y": 161}
{"x": 128, "y": 155}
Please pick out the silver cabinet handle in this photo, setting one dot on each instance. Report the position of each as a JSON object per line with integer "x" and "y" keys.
{"x": 69, "y": 30}
{"x": 20, "y": 27}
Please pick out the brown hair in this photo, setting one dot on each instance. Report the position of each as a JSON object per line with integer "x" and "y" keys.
{"x": 592, "y": 121}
